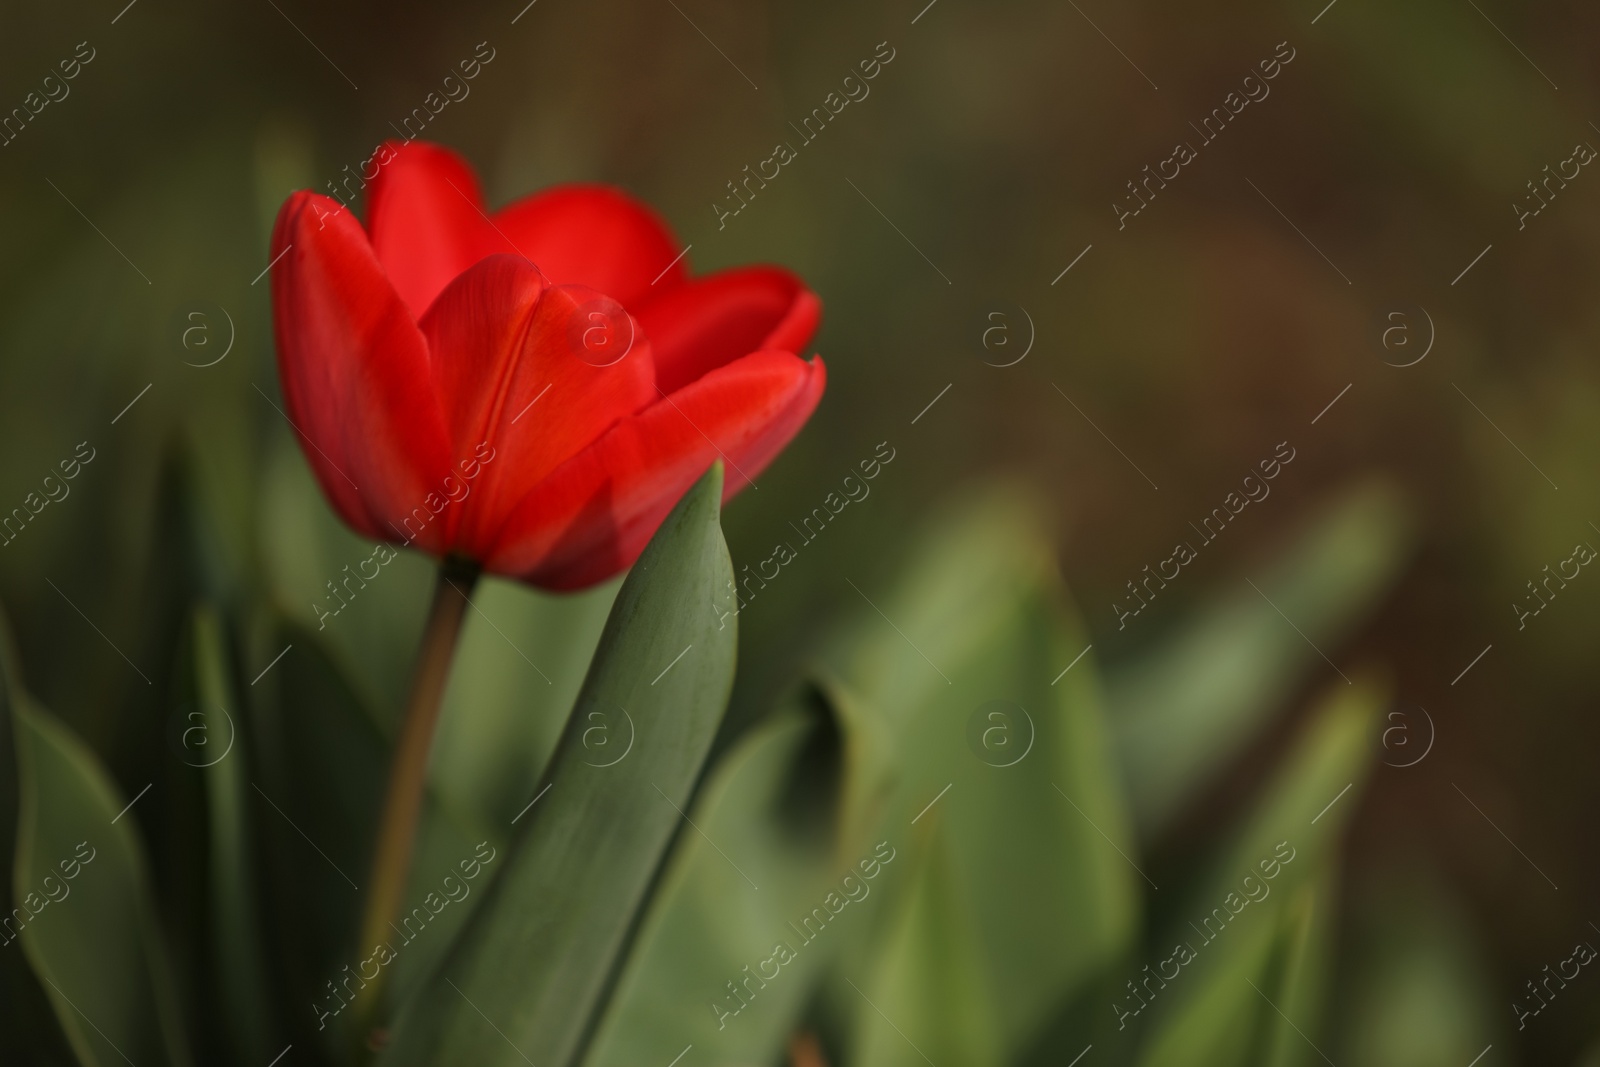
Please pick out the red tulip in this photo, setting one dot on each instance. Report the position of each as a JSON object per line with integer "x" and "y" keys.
{"x": 531, "y": 389}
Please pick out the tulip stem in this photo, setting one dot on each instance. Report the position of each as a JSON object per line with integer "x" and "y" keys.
{"x": 408, "y": 771}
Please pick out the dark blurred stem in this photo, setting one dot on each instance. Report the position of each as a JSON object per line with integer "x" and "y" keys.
{"x": 408, "y": 773}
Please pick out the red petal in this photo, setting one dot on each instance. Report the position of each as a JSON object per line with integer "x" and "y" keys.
{"x": 593, "y": 235}
{"x": 594, "y": 514}
{"x": 513, "y": 375}
{"x": 705, "y": 323}
{"x": 355, "y": 371}
{"x": 425, "y": 214}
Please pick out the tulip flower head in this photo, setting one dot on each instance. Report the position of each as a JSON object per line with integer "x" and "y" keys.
{"x": 531, "y": 389}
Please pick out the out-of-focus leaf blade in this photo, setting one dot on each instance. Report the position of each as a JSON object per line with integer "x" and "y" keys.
{"x": 35, "y": 1032}
{"x": 1249, "y": 1008}
{"x": 91, "y": 934}
{"x": 1220, "y": 1020}
{"x": 1181, "y": 710}
{"x": 928, "y": 994}
{"x": 1298, "y": 987}
{"x": 319, "y": 814}
{"x": 1419, "y": 987}
{"x": 526, "y": 981}
{"x": 1310, "y": 798}
{"x": 1029, "y": 809}
{"x": 221, "y": 752}
{"x": 1234, "y": 926}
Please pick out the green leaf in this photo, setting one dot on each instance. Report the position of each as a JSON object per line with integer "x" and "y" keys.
{"x": 315, "y": 803}
{"x": 1184, "y": 708}
{"x": 527, "y": 979}
{"x": 92, "y": 936}
{"x": 318, "y": 807}
{"x": 213, "y": 741}
{"x": 35, "y": 1033}
{"x": 792, "y": 804}
{"x": 521, "y": 660}
{"x": 1263, "y": 885}
{"x": 928, "y": 987}
{"x": 1314, "y": 793}
{"x": 1251, "y": 1008}
{"x": 1298, "y": 985}
{"x": 1038, "y": 842}
{"x": 1420, "y": 991}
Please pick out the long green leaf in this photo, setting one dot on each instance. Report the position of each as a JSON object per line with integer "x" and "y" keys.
{"x": 1038, "y": 842}
{"x": 1183, "y": 709}
{"x": 1244, "y": 1010}
{"x": 1234, "y": 924}
{"x": 929, "y": 995}
{"x": 1297, "y": 988}
{"x": 1312, "y": 795}
{"x": 90, "y": 934}
{"x": 36, "y": 1033}
{"x": 522, "y": 658}
{"x": 215, "y": 743}
{"x": 793, "y": 803}
{"x": 317, "y": 809}
{"x": 526, "y": 981}
{"x": 1421, "y": 993}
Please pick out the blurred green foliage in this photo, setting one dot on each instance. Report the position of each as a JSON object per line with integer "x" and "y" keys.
{"x": 995, "y": 931}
